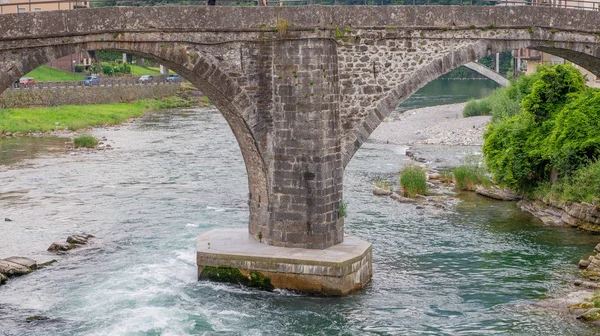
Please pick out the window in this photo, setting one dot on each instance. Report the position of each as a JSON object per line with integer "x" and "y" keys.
{"x": 4, "y": 1}
{"x": 37, "y": 9}
{"x": 21, "y": 10}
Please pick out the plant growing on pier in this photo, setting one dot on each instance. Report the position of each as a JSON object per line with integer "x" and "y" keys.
{"x": 342, "y": 209}
{"x": 282, "y": 27}
{"x": 413, "y": 180}
{"x": 85, "y": 140}
{"x": 260, "y": 236}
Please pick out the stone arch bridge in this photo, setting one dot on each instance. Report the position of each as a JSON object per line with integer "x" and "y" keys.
{"x": 301, "y": 87}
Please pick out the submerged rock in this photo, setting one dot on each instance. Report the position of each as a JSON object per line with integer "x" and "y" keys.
{"x": 36, "y": 318}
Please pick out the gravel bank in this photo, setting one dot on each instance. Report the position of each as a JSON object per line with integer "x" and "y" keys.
{"x": 436, "y": 125}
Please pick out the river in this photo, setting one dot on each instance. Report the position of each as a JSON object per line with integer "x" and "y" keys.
{"x": 175, "y": 174}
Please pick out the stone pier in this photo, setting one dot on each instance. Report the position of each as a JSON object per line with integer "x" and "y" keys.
{"x": 337, "y": 270}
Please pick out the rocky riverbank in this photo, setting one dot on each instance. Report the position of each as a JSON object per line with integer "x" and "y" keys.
{"x": 583, "y": 215}
{"x": 434, "y": 125}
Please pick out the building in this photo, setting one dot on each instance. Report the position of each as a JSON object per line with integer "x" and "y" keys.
{"x": 66, "y": 63}
{"x": 527, "y": 60}
{"x": 26, "y": 6}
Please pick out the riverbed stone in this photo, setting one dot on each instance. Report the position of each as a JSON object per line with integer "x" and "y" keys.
{"x": 13, "y": 269}
{"x": 3, "y": 278}
{"x": 77, "y": 239}
{"x": 377, "y": 191}
{"x": 497, "y": 193}
{"x": 27, "y": 262}
{"x": 337, "y": 270}
{"x": 583, "y": 263}
{"x": 60, "y": 246}
{"x": 402, "y": 199}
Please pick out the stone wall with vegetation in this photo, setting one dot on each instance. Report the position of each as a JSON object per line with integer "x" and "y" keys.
{"x": 84, "y": 95}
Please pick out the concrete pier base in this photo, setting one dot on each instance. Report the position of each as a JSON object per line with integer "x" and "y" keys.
{"x": 337, "y": 270}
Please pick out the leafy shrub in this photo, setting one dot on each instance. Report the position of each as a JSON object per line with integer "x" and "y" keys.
{"x": 79, "y": 68}
{"x": 477, "y": 108}
{"x": 85, "y": 140}
{"x": 413, "y": 180}
{"x": 498, "y": 104}
{"x": 557, "y": 129}
{"x": 108, "y": 70}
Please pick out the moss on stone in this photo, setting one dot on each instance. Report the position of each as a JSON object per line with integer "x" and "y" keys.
{"x": 229, "y": 274}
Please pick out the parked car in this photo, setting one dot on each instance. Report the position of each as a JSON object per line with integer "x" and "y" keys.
{"x": 146, "y": 79}
{"x": 173, "y": 78}
{"x": 90, "y": 80}
{"x": 26, "y": 81}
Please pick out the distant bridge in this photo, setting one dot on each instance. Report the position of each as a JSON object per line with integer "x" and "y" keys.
{"x": 301, "y": 87}
{"x": 487, "y": 72}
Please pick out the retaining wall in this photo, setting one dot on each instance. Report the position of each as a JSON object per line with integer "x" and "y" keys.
{"x": 84, "y": 95}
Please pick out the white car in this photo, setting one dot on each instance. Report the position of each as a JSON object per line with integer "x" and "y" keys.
{"x": 146, "y": 79}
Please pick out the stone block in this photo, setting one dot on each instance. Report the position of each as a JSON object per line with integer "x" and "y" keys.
{"x": 337, "y": 270}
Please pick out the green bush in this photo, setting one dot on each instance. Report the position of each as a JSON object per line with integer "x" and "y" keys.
{"x": 477, "y": 108}
{"x": 108, "y": 70}
{"x": 498, "y": 104}
{"x": 557, "y": 130}
{"x": 79, "y": 68}
{"x": 413, "y": 180}
{"x": 85, "y": 140}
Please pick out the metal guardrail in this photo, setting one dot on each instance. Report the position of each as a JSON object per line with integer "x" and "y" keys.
{"x": 104, "y": 82}
{"x": 27, "y": 5}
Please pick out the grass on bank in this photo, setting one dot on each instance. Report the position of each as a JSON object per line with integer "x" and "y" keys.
{"x": 137, "y": 70}
{"x": 85, "y": 140}
{"x": 47, "y": 74}
{"x": 471, "y": 174}
{"x": 583, "y": 185}
{"x": 413, "y": 180}
{"x": 74, "y": 117}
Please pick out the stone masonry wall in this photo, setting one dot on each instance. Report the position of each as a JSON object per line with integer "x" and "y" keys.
{"x": 83, "y": 95}
{"x": 305, "y": 171}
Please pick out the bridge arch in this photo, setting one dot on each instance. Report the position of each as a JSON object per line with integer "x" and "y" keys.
{"x": 580, "y": 53}
{"x": 196, "y": 66}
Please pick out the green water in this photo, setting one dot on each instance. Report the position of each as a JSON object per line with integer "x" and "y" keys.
{"x": 448, "y": 91}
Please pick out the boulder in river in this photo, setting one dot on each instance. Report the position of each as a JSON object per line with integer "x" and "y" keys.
{"x": 402, "y": 199}
{"x": 3, "y": 278}
{"x": 72, "y": 242}
{"x": 497, "y": 193}
{"x": 29, "y": 263}
{"x": 12, "y": 269}
{"x": 381, "y": 191}
{"x": 60, "y": 247}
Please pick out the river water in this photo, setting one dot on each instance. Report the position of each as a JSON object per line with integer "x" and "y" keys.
{"x": 175, "y": 174}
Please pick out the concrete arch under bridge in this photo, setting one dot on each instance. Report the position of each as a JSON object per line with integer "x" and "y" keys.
{"x": 301, "y": 99}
